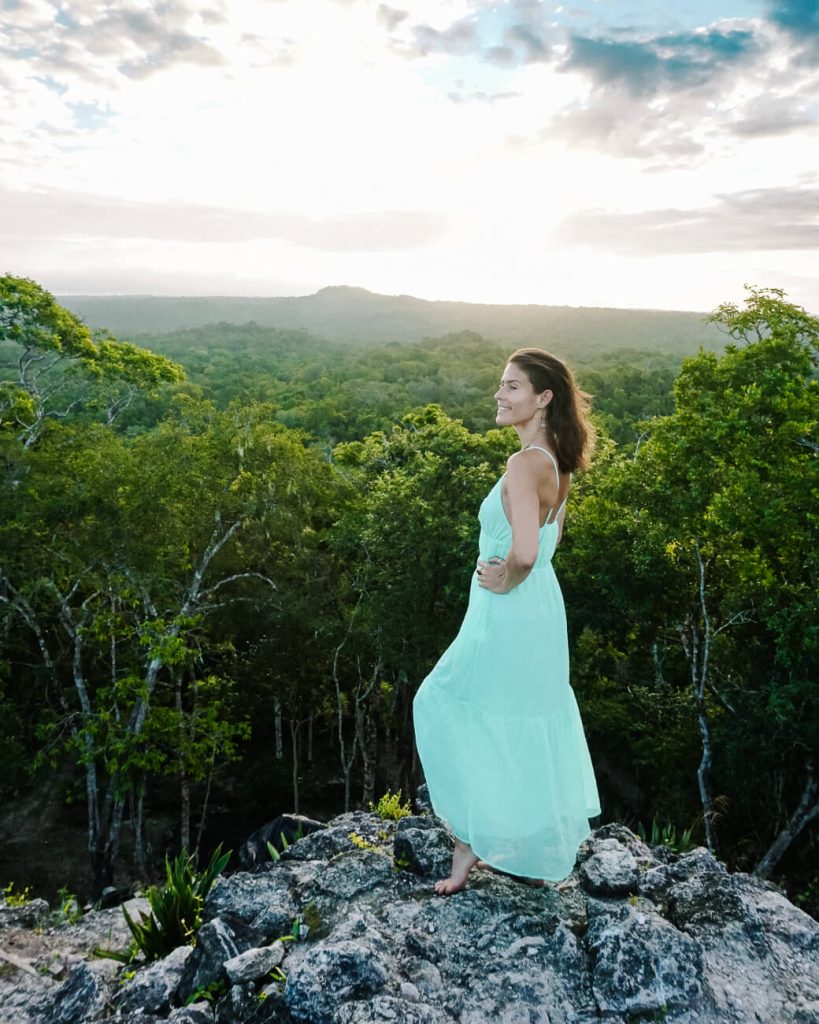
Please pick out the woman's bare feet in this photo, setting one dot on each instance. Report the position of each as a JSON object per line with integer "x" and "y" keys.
{"x": 464, "y": 859}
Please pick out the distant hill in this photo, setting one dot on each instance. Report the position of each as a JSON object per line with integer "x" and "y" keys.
{"x": 355, "y": 315}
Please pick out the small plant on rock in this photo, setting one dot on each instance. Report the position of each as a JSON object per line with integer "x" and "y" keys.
{"x": 69, "y": 911}
{"x": 16, "y": 899}
{"x": 176, "y": 909}
{"x": 390, "y": 808}
{"x": 666, "y": 835}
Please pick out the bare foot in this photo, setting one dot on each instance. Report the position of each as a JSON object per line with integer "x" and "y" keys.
{"x": 463, "y": 860}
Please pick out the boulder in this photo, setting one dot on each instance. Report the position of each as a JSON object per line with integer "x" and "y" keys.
{"x": 332, "y": 973}
{"x": 280, "y": 834}
{"x": 153, "y": 988}
{"x": 423, "y": 846}
{"x": 82, "y": 998}
{"x": 217, "y": 942}
{"x": 641, "y": 962}
{"x": 254, "y": 963}
{"x": 610, "y": 869}
{"x": 32, "y": 914}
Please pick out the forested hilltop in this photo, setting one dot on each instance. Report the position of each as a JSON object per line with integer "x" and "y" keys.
{"x": 354, "y": 315}
{"x": 230, "y": 554}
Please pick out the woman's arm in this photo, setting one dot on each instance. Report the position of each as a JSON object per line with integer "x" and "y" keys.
{"x": 522, "y": 486}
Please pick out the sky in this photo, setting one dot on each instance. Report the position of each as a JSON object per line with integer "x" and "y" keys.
{"x": 608, "y": 153}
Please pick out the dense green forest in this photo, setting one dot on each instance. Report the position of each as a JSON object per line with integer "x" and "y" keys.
{"x": 230, "y": 555}
{"x": 354, "y": 315}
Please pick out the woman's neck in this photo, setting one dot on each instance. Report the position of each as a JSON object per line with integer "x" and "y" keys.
{"x": 530, "y": 438}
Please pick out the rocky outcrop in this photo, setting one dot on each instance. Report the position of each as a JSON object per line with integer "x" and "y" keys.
{"x": 347, "y": 929}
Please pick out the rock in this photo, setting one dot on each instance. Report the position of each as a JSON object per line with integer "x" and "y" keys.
{"x": 253, "y": 963}
{"x": 422, "y": 802}
{"x": 280, "y": 834}
{"x": 217, "y": 941}
{"x": 268, "y": 900}
{"x": 333, "y": 972}
{"x": 642, "y": 963}
{"x": 688, "y": 943}
{"x": 422, "y": 846}
{"x": 196, "y": 1013}
{"x": 237, "y": 1006}
{"x": 32, "y": 914}
{"x": 656, "y": 881}
{"x": 153, "y": 988}
{"x": 610, "y": 869}
{"x": 384, "y": 1008}
{"x": 82, "y": 997}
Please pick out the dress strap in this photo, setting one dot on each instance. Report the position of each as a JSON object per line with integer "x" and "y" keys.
{"x": 546, "y": 450}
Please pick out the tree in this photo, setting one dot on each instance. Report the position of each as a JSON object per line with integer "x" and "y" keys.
{"x": 706, "y": 534}
{"x": 59, "y": 366}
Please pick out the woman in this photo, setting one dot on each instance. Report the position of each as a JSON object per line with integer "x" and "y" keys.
{"x": 496, "y": 722}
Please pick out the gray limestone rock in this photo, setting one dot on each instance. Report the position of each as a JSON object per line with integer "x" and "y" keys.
{"x": 237, "y": 1006}
{"x": 152, "y": 989}
{"x": 196, "y": 1013}
{"x": 217, "y": 941}
{"x": 642, "y": 963}
{"x": 32, "y": 914}
{"x": 611, "y": 869}
{"x": 423, "y": 846}
{"x": 82, "y": 998}
{"x": 688, "y": 943}
{"x": 383, "y": 1008}
{"x": 422, "y": 802}
{"x": 332, "y": 973}
{"x": 253, "y": 963}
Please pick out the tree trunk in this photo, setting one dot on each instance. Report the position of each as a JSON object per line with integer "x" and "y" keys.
{"x": 184, "y": 779}
{"x": 294, "y": 740}
{"x": 277, "y": 705}
{"x": 203, "y": 816}
{"x": 138, "y": 804}
{"x": 310, "y": 721}
{"x": 807, "y": 810}
{"x": 369, "y": 750}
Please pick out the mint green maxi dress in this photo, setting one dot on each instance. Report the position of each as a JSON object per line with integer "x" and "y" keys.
{"x": 497, "y": 726}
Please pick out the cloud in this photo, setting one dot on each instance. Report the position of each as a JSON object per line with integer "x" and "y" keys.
{"x": 458, "y": 39}
{"x": 800, "y": 17}
{"x": 52, "y": 214}
{"x": 755, "y": 219}
{"x": 390, "y": 17}
{"x": 644, "y": 67}
{"x": 770, "y": 116}
{"x": 89, "y": 40}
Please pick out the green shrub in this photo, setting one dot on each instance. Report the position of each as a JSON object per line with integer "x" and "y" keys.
{"x": 666, "y": 835}
{"x": 176, "y": 908}
{"x": 390, "y": 808}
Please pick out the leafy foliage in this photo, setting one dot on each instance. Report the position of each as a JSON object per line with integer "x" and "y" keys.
{"x": 176, "y": 906}
{"x": 390, "y": 808}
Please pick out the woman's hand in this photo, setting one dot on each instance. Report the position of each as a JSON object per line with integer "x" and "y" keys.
{"x": 492, "y": 574}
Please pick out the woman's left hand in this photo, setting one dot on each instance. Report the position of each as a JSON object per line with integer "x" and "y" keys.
{"x": 492, "y": 574}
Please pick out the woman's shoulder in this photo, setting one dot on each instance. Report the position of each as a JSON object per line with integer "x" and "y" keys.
{"x": 534, "y": 461}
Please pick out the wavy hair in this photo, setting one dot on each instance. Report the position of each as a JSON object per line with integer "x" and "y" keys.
{"x": 567, "y": 423}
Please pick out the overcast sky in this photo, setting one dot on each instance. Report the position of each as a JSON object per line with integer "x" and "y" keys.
{"x": 614, "y": 153}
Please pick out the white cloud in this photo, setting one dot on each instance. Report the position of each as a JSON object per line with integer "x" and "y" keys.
{"x": 317, "y": 140}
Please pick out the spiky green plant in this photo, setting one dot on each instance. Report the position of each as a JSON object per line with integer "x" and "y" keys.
{"x": 176, "y": 906}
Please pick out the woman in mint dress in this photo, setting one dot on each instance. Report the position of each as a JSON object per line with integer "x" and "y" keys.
{"x": 496, "y": 721}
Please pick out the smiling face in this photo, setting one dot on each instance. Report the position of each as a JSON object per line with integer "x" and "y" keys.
{"x": 519, "y": 405}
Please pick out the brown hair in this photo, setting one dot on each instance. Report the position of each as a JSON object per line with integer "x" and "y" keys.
{"x": 567, "y": 424}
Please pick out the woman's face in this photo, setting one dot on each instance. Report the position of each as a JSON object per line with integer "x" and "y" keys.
{"x": 518, "y": 402}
